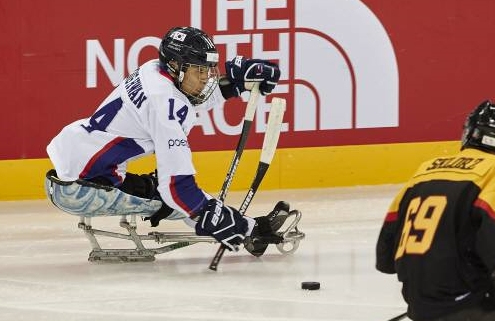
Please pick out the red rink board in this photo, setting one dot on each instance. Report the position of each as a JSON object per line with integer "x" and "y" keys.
{"x": 443, "y": 54}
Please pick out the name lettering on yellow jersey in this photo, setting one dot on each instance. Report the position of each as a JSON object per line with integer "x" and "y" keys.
{"x": 466, "y": 163}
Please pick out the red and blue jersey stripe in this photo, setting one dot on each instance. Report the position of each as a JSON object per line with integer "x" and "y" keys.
{"x": 186, "y": 193}
{"x": 104, "y": 163}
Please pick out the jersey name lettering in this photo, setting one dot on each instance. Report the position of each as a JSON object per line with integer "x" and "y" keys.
{"x": 134, "y": 89}
{"x": 466, "y": 163}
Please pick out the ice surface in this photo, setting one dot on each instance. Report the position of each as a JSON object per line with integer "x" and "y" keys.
{"x": 45, "y": 275}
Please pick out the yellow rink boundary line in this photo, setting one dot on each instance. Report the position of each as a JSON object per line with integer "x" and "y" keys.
{"x": 311, "y": 167}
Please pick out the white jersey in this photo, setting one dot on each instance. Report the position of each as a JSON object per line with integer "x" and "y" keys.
{"x": 144, "y": 114}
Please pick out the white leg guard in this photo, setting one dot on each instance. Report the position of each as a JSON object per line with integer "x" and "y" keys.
{"x": 93, "y": 200}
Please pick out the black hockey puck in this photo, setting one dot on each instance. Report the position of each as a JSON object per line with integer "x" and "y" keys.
{"x": 310, "y": 285}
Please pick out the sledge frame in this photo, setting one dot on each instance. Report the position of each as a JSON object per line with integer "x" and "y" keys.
{"x": 172, "y": 240}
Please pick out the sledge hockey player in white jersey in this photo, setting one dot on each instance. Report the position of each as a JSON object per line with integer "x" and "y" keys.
{"x": 152, "y": 111}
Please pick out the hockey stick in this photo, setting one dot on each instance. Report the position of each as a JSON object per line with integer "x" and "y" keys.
{"x": 399, "y": 317}
{"x": 246, "y": 126}
{"x": 270, "y": 141}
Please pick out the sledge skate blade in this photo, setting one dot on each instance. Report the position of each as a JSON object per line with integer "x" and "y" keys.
{"x": 121, "y": 255}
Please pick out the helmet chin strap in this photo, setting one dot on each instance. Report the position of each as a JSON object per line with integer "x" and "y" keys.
{"x": 180, "y": 74}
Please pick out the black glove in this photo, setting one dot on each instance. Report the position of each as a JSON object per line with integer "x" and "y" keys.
{"x": 224, "y": 223}
{"x": 240, "y": 70}
{"x": 159, "y": 215}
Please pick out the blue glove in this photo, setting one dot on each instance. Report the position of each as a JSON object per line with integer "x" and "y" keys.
{"x": 241, "y": 71}
{"x": 224, "y": 223}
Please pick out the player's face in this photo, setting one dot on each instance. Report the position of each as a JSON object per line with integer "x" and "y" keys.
{"x": 199, "y": 82}
{"x": 195, "y": 79}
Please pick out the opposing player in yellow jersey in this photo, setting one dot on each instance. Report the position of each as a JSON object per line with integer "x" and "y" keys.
{"x": 439, "y": 232}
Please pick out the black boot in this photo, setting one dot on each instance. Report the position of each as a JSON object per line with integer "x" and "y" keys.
{"x": 264, "y": 231}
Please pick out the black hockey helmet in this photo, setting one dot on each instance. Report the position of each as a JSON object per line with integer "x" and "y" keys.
{"x": 479, "y": 128}
{"x": 189, "y": 46}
